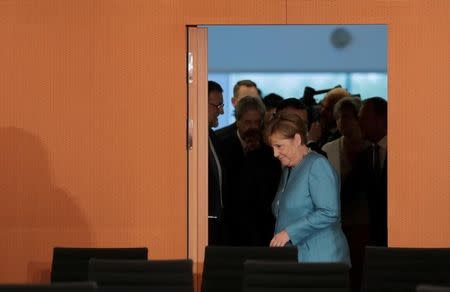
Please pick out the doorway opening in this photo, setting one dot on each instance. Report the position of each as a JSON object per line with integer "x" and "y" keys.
{"x": 292, "y": 61}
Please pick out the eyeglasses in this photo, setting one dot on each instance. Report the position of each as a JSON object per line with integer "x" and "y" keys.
{"x": 218, "y": 106}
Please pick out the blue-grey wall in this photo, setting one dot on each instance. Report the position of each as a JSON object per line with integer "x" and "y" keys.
{"x": 295, "y": 48}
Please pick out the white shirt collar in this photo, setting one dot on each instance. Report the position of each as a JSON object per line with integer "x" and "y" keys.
{"x": 383, "y": 142}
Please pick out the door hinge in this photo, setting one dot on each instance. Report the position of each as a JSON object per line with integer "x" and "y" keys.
{"x": 190, "y": 68}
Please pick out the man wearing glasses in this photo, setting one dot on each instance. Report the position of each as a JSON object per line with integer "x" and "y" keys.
{"x": 215, "y": 169}
{"x": 241, "y": 89}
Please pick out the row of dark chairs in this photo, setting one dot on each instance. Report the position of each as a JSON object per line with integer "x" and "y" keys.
{"x": 72, "y": 264}
{"x": 54, "y": 287}
{"x": 92, "y": 287}
{"x": 248, "y": 269}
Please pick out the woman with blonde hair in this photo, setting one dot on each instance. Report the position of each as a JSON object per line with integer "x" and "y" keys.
{"x": 307, "y": 205}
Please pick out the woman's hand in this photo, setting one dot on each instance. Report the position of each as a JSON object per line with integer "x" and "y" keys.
{"x": 280, "y": 239}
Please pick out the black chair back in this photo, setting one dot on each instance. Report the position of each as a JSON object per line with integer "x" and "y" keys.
{"x": 56, "y": 287}
{"x": 430, "y": 288}
{"x": 70, "y": 264}
{"x": 142, "y": 275}
{"x": 402, "y": 269}
{"x": 224, "y": 266}
{"x": 262, "y": 276}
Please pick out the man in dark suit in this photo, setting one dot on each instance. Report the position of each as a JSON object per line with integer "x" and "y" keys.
{"x": 253, "y": 176}
{"x": 367, "y": 183}
{"x": 241, "y": 89}
{"x": 373, "y": 123}
{"x": 215, "y": 170}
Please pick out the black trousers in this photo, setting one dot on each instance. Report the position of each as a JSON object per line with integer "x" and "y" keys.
{"x": 216, "y": 232}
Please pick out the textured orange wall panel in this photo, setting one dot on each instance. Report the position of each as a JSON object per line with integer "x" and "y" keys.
{"x": 91, "y": 114}
{"x": 92, "y": 124}
{"x": 232, "y": 12}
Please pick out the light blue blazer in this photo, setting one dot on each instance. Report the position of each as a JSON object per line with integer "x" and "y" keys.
{"x": 307, "y": 206}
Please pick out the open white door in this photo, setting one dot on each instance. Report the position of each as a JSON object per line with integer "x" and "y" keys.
{"x": 197, "y": 148}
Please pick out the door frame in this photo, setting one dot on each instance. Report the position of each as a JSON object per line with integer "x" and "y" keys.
{"x": 197, "y": 145}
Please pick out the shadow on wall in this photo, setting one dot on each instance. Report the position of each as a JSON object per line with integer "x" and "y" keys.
{"x": 35, "y": 215}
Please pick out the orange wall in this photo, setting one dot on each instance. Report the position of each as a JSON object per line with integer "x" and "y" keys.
{"x": 93, "y": 109}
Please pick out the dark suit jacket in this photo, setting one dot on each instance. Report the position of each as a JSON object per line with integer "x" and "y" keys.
{"x": 251, "y": 186}
{"x": 214, "y": 187}
{"x": 216, "y": 226}
{"x": 363, "y": 180}
{"x": 226, "y": 132}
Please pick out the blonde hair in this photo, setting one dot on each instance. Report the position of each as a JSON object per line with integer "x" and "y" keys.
{"x": 287, "y": 125}
{"x": 333, "y": 96}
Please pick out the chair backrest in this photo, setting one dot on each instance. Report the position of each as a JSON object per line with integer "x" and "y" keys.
{"x": 402, "y": 269}
{"x": 224, "y": 266}
{"x": 56, "y": 287}
{"x": 432, "y": 288}
{"x": 70, "y": 264}
{"x": 270, "y": 276}
{"x": 142, "y": 275}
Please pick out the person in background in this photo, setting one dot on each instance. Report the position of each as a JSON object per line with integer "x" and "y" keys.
{"x": 306, "y": 206}
{"x": 373, "y": 123}
{"x": 343, "y": 154}
{"x": 216, "y": 227}
{"x": 295, "y": 106}
{"x": 329, "y": 131}
{"x": 364, "y": 191}
{"x": 241, "y": 89}
{"x": 253, "y": 176}
{"x": 343, "y": 151}
{"x": 271, "y": 101}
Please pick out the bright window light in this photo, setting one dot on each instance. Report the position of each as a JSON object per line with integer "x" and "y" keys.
{"x": 293, "y": 84}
